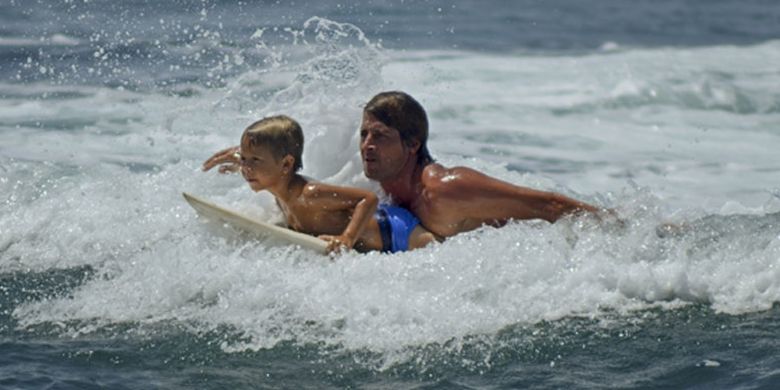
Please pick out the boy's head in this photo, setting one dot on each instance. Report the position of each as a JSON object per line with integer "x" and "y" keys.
{"x": 280, "y": 134}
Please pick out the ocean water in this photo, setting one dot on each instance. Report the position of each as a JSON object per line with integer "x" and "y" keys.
{"x": 667, "y": 112}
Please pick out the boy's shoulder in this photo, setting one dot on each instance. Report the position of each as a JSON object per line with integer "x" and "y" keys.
{"x": 313, "y": 188}
{"x": 307, "y": 184}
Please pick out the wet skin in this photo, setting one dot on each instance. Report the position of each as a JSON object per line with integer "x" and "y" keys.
{"x": 339, "y": 215}
{"x": 449, "y": 201}
{"x": 343, "y": 216}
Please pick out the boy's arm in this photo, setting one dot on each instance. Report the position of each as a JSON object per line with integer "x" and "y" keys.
{"x": 227, "y": 158}
{"x": 334, "y": 198}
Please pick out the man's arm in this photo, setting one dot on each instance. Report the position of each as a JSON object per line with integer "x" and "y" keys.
{"x": 491, "y": 200}
{"x": 228, "y": 160}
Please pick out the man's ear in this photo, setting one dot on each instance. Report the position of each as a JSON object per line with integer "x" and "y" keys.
{"x": 413, "y": 145}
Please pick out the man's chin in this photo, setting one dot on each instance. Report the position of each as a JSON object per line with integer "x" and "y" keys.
{"x": 371, "y": 174}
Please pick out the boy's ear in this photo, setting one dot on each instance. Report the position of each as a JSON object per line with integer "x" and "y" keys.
{"x": 288, "y": 162}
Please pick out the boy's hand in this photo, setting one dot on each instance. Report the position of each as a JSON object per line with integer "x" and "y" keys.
{"x": 336, "y": 244}
{"x": 227, "y": 158}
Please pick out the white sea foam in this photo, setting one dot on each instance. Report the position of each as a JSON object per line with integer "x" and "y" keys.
{"x": 678, "y": 120}
{"x": 94, "y": 178}
{"x": 53, "y": 40}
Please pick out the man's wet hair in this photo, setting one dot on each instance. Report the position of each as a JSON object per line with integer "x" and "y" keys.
{"x": 402, "y": 112}
{"x": 282, "y": 134}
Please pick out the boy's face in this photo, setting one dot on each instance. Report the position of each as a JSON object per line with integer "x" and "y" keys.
{"x": 382, "y": 150}
{"x": 259, "y": 167}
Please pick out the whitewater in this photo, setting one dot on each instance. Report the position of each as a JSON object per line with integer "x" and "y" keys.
{"x": 97, "y": 244}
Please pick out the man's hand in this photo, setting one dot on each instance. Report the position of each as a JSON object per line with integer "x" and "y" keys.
{"x": 228, "y": 160}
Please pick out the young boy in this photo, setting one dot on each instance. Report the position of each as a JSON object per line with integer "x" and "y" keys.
{"x": 269, "y": 158}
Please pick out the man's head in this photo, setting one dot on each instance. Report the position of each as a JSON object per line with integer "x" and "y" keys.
{"x": 394, "y": 129}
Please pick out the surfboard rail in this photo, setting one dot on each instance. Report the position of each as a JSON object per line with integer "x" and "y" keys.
{"x": 211, "y": 210}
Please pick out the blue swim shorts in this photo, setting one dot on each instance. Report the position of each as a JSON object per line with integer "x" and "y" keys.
{"x": 396, "y": 225}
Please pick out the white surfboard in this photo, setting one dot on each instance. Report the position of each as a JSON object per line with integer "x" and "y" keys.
{"x": 255, "y": 226}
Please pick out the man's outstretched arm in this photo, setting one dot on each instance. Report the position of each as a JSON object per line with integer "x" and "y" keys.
{"x": 495, "y": 201}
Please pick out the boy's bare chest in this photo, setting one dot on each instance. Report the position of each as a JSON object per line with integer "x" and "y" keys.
{"x": 314, "y": 220}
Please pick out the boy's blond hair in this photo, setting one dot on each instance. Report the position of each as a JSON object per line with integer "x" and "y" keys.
{"x": 282, "y": 134}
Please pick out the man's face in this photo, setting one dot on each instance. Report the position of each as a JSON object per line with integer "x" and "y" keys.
{"x": 383, "y": 152}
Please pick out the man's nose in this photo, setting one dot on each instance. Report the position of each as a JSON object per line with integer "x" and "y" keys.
{"x": 368, "y": 143}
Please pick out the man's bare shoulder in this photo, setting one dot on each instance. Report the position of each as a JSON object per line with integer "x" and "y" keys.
{"x": 441, "y": 181}
{"x": 439, "y": 174}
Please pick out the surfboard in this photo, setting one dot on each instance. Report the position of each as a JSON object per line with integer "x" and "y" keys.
{"x": 278, "y": 234}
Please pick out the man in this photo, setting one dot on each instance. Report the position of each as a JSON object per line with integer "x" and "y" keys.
{"x": 447, "y": 201}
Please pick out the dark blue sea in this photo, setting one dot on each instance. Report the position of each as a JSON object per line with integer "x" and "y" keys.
{"x": 667, "y": 112}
